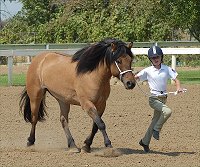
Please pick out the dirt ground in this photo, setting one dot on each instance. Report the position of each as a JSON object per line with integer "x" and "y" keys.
{"x": 127, "y": 117}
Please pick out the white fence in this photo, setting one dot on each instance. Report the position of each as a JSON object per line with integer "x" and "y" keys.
{"x": 31, "y": 50}
{"x": 170, "y": 51}
{"x": 27, "y": 52}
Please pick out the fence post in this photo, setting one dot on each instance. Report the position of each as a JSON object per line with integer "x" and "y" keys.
{"x": 47, "y": 46}
{"x": 173, "y": 62}
{"x": 28, "y": 60}
{"x": 10, "y": 69}
{"x": 173, "y": 65}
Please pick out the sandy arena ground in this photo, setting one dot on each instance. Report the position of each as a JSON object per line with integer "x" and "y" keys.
{"x": 127, "y": 116}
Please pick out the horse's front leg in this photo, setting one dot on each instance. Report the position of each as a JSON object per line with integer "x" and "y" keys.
{"x": 102, "y": 127}
{"x": 89, "y": 139}
{"x": 98, "y": 124}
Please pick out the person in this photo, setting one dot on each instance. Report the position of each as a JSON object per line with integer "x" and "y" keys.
{"x": 157, "y": 76}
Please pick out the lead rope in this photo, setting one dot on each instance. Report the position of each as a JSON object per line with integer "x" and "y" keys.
{"x": 146, "y": 94}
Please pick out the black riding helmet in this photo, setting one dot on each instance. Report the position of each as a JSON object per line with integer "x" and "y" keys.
{"x": 155, "y": 51}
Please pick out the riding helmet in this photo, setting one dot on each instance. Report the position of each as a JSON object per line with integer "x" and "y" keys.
{"x": 155, "y": 51}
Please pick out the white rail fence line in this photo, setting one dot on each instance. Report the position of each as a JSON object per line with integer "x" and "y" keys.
{"x": 170, "y": 51}
{"x": 28, "y": 52}
{"x": 136, "y": 51}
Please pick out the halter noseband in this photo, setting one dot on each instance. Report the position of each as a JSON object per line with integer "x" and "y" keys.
{"x": 122, "y": 72}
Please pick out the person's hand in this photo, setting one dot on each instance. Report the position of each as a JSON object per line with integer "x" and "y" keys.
{"x": 181, "y": 90}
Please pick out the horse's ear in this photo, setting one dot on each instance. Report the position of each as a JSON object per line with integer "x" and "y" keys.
{"x": 113, "y": 47}
{"x": 130, "y": 45}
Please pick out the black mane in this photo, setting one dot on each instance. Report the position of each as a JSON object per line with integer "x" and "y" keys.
{"x": 89, "y": 57}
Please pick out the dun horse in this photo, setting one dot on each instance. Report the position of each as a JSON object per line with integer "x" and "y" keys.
{"x": 82, "y": 79}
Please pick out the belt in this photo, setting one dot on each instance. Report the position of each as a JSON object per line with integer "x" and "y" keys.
{"x": 159, "y": 96}
{"x": 163, "y": 96}
{"x": 161, "y": 92}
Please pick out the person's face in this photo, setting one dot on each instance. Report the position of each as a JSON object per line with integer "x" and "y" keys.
{"x": 156, "y": 60}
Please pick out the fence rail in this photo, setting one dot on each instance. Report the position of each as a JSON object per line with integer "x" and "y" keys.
{"x": 139, "y": 48}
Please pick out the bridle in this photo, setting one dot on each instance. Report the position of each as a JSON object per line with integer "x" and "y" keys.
{"x": 122, "y": 72}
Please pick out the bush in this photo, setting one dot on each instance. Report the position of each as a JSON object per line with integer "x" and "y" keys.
{"x": 3, "y": 60}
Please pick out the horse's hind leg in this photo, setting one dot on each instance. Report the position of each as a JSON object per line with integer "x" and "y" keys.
{"x": 35, "y": 105}
{"x": 65, "y": 108}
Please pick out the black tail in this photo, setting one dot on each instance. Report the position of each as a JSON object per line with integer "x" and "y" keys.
{"x": 25, "y": 107}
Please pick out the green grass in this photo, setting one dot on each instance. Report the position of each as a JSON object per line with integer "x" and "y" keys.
{"x": 186, "y": 77}
{"x": 17, "y": 80}
{"x": 189, "y": 77}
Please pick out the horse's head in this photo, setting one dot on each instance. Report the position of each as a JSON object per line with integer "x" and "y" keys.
{"x": 114, "y": 53}
{"x": 121, "y": 66}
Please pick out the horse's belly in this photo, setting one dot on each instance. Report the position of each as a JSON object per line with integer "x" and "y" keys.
{"x": 69, "y": 98}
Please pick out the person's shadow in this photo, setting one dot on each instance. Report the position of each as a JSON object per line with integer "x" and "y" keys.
{"x": 127, "y": 151}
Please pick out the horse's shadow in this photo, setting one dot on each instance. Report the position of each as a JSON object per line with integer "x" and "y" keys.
{"x": 128, "y": 151}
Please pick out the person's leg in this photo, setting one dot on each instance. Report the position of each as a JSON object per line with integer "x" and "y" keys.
{"x": 165, "y": 114}
{"x": 147, "y": 137}
{"x": 161, "y": 114}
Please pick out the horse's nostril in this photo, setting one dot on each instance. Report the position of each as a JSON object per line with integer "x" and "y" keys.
{"x": 130, "y": 85}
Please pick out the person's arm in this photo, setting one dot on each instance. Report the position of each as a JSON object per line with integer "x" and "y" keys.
{"x": 136, "y": 77}
{"x": 137, "y": 74}
{"x": 178, "y": 85}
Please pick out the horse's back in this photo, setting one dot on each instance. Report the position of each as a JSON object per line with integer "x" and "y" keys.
{"x": 37, "y": 60}
{"x": 48, "y": 67}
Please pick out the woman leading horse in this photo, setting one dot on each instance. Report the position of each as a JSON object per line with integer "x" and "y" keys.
{"x": 82, "y": 79}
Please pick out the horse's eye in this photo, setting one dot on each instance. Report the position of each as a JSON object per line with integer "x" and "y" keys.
{"x": 118, "y": 61}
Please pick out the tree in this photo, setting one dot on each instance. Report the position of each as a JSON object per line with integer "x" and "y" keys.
{"x": 62, "y": 21}
{"x": 183, "y": 14}
{"x": 38, "y": 12}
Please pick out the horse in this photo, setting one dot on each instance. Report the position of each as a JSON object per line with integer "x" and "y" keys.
{"x": 81, "y": 79}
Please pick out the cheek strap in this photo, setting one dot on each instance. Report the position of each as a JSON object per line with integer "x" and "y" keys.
{"x": 122, "y": 72}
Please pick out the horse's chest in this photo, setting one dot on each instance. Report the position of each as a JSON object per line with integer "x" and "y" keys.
{"x": 99, "y": 94}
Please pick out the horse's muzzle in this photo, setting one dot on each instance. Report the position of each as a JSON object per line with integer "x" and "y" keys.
{"x": 130, "y": 85}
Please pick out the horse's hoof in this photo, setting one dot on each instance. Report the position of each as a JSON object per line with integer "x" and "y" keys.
{"x": 74, "y": 150}
{"x": 30, "y": 143}
{"x": 85, "y": 149}
{"x": 109, "y": 146}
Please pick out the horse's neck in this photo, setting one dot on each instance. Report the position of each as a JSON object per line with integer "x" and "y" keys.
{"x": 104, "y": 73}
{"x": 100, "y": 76}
